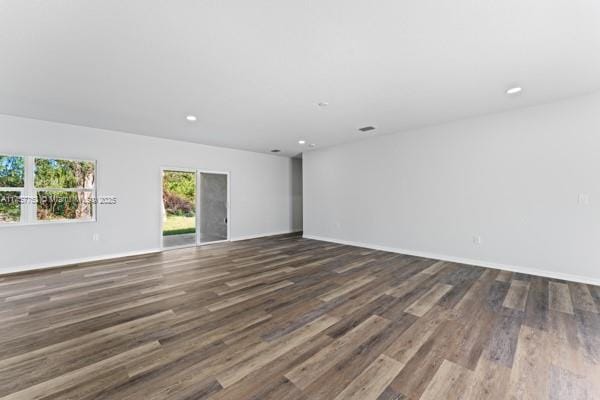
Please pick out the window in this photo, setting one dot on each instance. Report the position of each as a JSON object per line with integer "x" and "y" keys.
{"x": 64, "y": 189}
{"x": 43, "y": 190}
{"x": 12, "y": 186}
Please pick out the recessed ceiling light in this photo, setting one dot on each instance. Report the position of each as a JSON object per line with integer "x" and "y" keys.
{"x": 312, "y": 145}
{"x": 275, "y": 151}
{"x": 191, "y": 118}
{"x": 322, "y": 104}
{"x": 301, "y": 141}
{"x": 514, "y": 90}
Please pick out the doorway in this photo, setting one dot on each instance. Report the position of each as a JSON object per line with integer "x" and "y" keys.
{"x": 194, "y": 207}
{"x": 178, "y": 212}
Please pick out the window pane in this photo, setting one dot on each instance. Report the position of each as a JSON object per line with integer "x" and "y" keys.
{"x": 10, "y": 207}
{"x": 12, "y": 171}
{"x": 64, "y": 205}
{"x": 179, "y": 208}
{"x": 63, "y": 174}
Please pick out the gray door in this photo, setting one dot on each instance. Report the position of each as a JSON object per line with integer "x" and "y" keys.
{"x": 213, "y": 207}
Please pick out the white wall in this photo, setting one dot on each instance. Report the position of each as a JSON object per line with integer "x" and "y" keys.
{"x": 512, "y": 178}
{"x": 129, "y": 168}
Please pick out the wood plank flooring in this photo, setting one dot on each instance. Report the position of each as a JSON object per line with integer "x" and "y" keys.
{"x": 289, "y": 318}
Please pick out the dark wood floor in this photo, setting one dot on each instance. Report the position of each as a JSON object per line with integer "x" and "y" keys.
{"x": 290, "y": 318}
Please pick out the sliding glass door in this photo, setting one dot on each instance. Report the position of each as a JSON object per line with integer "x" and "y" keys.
{"x": 195, "y": 207}
{"x": 179, "y": 223}
{"x": 213, "y": 207}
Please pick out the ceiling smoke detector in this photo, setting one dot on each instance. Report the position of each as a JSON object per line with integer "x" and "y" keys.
{"x": 367, "y": 129}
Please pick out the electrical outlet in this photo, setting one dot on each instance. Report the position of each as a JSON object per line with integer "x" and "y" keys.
{"x": 476, "y": 240}
{"x": 96, "y": 237}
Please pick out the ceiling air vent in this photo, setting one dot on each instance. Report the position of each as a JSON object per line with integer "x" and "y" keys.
{"x": 366, "y": 128}
{"x": 275, "y": 151}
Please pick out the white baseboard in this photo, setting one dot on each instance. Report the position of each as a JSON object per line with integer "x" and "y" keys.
{"x": 73, "y": 261}
{"x": 260, "y": 235}
{"x": 479, "y": 263}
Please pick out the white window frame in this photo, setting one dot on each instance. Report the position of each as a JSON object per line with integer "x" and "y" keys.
{"x": 21, "y": 189}
{"x": 29, "y": 193}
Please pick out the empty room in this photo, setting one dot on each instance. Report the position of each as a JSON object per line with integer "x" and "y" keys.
{"x": 299, "y": 200}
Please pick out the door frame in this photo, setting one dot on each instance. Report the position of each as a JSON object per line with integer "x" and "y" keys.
{"x": 160, "y": 231}
{"x": 199, "y": 172}
{"x": 196, "y": 171}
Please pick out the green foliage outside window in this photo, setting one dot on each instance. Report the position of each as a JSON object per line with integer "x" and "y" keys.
{"x": 12, "y": 171}
{"x": 12, "y": 175}
{"x": 64, "y": 189}
{"x": 63, "y": 174}
{"x": 10, "y": 206}
{"x": 179, "y": 202}
{"x": 179, "y": 193}
{"x": 64, "y": 205}
{"x": 182, "y": 184}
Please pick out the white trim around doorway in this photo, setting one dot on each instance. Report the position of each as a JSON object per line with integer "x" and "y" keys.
{"x": 197, "y": 172}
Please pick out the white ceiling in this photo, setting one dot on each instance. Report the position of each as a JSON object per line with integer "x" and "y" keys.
{"x": 253, "y": 71}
